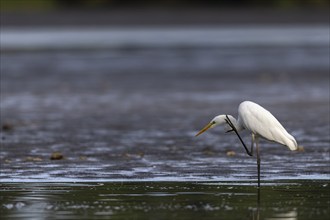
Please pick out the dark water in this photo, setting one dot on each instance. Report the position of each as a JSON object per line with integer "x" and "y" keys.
{"x": 166, "y": 200}
{"x": 129, "y": 112}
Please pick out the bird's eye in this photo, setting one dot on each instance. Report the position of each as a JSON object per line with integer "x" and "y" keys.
{"x": 213, "y": 122}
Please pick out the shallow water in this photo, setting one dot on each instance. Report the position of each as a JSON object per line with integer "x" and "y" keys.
{"x": 289, "y": 200}
{"x": 130, "y": 111}
{"x": 123, "y": 108}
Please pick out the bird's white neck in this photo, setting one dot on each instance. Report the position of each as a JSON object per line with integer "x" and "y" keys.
{"x": 221, "y": 120}
{"x": 237, "y": 123}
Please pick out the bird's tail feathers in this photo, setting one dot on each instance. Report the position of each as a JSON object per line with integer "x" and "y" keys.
{"x": 291, "y": 142}
{"x": 283, "y": 137}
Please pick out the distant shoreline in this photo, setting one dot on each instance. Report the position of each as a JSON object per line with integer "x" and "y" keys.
{"x": 50, "y": 38}
{"x": 164, "y": 16}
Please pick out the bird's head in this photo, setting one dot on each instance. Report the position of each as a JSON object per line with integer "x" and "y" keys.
{"x": 217, "y": 120}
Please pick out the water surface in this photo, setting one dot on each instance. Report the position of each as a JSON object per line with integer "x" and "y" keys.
{"x": 285, "y": 200}
{"x": 129, "y": 109}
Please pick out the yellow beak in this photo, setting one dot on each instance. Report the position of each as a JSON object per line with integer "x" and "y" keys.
{"x": 204, "y": 129}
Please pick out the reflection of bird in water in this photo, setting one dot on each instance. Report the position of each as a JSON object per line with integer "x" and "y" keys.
{"x": 290, "y": 215}
{"x": 260, "y": 122}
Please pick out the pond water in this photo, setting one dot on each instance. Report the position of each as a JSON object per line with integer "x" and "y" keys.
{"x": 123, "y": 107}
{"x": 289, "y": 200}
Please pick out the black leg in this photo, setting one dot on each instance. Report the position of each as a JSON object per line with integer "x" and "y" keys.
{"x": 252, "y": 143}
{"x": 234, "y": 129}
{"x": 258, "y": 160}
{"x": 258, "y": 204}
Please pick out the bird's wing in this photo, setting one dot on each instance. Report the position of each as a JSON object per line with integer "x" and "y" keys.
{"x": 261, "y": 122}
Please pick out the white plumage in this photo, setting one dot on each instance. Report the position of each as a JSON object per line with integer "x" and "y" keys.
{"x": 260, "y": 122}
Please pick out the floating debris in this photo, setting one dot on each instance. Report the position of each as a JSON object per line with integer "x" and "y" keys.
{"x": 301, "y": 149}
{"x": 208, "y": 151}
{"x": 56, "y": 156}
{"x": 141, "y": 154}
{"x": 231, "y": 153}
{"x": 33, "y": 159}
{"x": 138, "y": 155}
{"x": 83, "y": 158}
{"x": 7, "y": 127}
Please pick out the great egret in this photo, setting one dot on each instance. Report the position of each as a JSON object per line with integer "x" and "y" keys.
{"x": 260, "y": 122}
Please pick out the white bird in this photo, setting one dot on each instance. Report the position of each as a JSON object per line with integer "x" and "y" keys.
{"x": 260, "y": 122}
